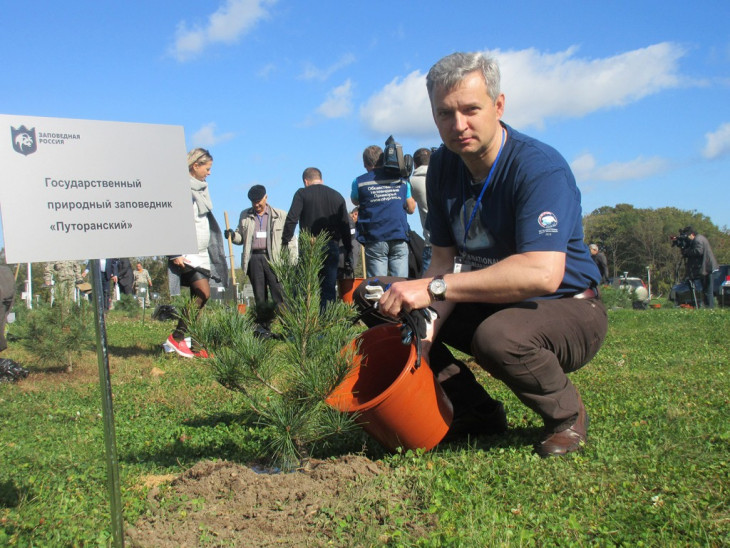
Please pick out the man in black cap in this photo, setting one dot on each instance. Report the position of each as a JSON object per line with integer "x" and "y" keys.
{"x": 259, "y": 232}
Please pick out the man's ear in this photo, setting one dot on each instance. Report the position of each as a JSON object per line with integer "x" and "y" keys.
{"x": 499, "y": 105}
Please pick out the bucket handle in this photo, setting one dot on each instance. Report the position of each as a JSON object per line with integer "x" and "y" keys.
{"x": 408, "y": 320}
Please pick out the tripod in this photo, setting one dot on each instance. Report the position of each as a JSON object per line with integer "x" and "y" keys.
{"x": 692, "y": 286}
{"x": 689, "y": 280}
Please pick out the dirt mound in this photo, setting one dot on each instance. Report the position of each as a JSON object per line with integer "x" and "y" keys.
{"x": 223, "y": 503}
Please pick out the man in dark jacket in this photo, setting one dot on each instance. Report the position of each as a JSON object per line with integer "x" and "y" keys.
{"x": 318, "y": 208}
{"x": 701, "y": 263}
{"x": 601, "y": 262}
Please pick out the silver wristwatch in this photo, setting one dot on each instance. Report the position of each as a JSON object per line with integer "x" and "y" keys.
{"x": 437, "y": 288}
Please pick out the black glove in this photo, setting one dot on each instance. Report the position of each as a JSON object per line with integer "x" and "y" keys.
{"x": 228, "y": 233}
{"x": 416, "y": 321}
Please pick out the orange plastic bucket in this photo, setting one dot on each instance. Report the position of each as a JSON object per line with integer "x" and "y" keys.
{"x": 397, "y": 403}
{"x": 347, "y": 286}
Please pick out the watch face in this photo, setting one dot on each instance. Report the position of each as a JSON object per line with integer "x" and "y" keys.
{"x": 438, "y": 288}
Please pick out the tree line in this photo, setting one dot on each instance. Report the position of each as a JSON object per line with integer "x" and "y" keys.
{"x": 634, "y": 239}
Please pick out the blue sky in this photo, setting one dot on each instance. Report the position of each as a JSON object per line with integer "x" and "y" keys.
{"x": 635, "y": 95}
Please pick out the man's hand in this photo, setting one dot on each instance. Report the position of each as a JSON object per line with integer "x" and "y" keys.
{"x": 228, "y": 233}
{"x": 403, "y": 297}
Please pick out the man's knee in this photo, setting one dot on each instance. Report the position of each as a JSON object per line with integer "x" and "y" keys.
{"x": 495, "y": 344}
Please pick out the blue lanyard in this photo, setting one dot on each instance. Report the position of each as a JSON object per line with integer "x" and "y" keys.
{"x": 481, "y": 194}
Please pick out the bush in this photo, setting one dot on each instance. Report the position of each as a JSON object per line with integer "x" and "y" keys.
{"x": 613, "y": 297}
{"x": 57, "y": 334}
{"x": 129, "y": 305}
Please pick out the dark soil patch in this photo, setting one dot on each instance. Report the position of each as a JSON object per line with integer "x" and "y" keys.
{"x": 228, "y": 504}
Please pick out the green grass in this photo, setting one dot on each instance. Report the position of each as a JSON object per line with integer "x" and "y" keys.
{"x": 654, "y": 473}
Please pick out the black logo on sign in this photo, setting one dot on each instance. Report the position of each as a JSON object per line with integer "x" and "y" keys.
{"x": 24, "y": 140}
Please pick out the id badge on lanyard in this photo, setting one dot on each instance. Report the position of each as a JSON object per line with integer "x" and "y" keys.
{"x": 460, "y": 264}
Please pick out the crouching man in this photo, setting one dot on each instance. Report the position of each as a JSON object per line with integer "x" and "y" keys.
{"x": 511, "y": 278}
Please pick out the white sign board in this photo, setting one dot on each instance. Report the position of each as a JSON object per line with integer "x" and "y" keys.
{"x": 83, "y": 189}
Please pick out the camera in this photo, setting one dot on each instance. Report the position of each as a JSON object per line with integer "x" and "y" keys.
{"x": 394, "y": 161}
{"x": 682, "y": 240}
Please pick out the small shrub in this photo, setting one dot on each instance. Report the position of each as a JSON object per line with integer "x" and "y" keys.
{"x": 613, "y": 297}
{"x": 129, "y": 305}
{"x": 285, "y": 379}
{"x": 57, "y": 334}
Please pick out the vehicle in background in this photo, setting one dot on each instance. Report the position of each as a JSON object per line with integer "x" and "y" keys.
{"x": 635, "y": 286}
{"x": 681, "y": 293}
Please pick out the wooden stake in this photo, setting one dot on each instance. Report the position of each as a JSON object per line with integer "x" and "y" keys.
{"x": 230, "y": 251}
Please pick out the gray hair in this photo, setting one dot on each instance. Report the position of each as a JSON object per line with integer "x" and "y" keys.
{"x": 198, "y": 156}
{"x": 452, "y": 69}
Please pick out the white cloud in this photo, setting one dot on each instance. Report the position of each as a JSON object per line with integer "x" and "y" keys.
{"x": 717, "y": 143}
{"x": 401, "y": 107}
{"x": 313, "y": 73}
{"x": 206, "y": 136}
{"x": 539, "y": 86}
{"x": 542, "y": 85}
{"x": 232, "y": 20}
{"x": 338, "y": 102}
{"x": 585, "y": 168}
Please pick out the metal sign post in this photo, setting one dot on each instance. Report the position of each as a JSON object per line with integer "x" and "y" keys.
{"x": 112, "y": 461}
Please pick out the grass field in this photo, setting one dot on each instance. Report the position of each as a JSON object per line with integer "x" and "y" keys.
{"x": 654, "y": 473}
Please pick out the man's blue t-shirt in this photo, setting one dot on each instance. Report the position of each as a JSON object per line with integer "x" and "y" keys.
{"x": 532, "y": 203}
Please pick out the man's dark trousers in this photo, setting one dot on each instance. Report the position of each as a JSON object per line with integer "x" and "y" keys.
{"x": 328, "y": 274}
{"x": 261, "y": 275}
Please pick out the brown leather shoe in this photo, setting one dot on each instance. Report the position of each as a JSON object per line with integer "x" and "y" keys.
{"x": 568, "y": 440}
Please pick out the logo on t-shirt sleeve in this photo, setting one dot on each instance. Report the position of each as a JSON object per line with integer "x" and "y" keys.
{"x": 548, "y": 221}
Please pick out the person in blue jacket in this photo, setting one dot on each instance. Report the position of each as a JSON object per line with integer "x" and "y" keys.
{"x": 384, "y": 200}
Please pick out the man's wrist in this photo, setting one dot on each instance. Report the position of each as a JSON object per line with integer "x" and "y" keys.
{"x": 437, "y": 288}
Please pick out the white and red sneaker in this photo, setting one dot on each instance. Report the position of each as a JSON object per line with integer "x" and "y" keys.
{"x": 181, "y": 347}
